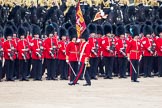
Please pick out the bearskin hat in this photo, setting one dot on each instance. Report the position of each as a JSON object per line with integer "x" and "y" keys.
{"x": 72, "y": 33}
{"x": 92, "y": 28}
{"x": 49, "y": 30}
{"x": 159, "y": 29}
{"x": 8, "y": 32}
{"x": 107, "y": 29}
{"x": 35, "y": 30}
{"x": 147, "y": 29}
{"x": 120, "y": 30}
{"x": 134, "y": 30}
{"x": 85, "y": 34}
{"x": 99, "y": 29}
{"x": 62, "y": 32}
{"x": 21, "y": 31}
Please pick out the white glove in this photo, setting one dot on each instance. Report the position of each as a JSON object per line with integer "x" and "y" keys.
{"x": 67, "y": 61}
{"x": 78, "y": 40}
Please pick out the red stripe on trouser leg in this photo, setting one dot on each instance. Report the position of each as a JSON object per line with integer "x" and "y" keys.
{"x": 79, "y": 74}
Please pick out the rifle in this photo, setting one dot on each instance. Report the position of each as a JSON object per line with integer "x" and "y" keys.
{"x": 11, "y": 53}
{"x": 1, "y": 52}
{"x": 95, "y": 49}
{"x": 53, "y": 49}
{"x": 24, "y": 55}
{"x": 123, "y": 50}
{"x": 112, "y": 45}
{"x": 40, "y": 52}
{"x": 152, "y": 47}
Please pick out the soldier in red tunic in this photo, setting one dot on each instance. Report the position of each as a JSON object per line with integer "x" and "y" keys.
{"x": 63, "y": 67}
{"x": 134, "y": 52}
{"x": 93, "y": 41}
{"x": 37, "y": 48}
{"x": 100, "y": 35}
{"x": 16, "y": 64}
{"x": 108, "y": 48}
{"x": 23, "y": 53}
{"x": 9, "y": 53}
{"x": 148, "y": 50}
{"x": 27, "y": 27}
{"x": 72, "y": 54}
{"x": 159, "y": 49}
{"x": 121, "y": 46}
{"x": 50, "y": 53}
{"x": 84, "y": 59}
{"x": 1, "y": 52}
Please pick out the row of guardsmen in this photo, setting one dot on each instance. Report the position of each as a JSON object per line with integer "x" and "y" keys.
{"x": 50, "y": 3}
{"x": 60, "y": 52}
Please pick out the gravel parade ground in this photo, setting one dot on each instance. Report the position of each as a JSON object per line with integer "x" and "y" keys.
{"x": 116, "y": 93}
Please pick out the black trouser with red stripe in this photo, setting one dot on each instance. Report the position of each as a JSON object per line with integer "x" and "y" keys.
{"x": 85, "y": 71}
{"x": 108, "y": 61}
{"x": 23, "y": 69}
{"x": 134, "y": 73}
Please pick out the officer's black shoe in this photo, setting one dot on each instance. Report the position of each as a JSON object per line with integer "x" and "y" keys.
{"x": 159, "y": 75}
{"x": 108, "y": 77}
{"x": 81, "y": 78}
{"x": 71, "y": 83}
{"x": 124, "y": 77}
{"x": 38, "y": 79}
{"x": 12, "y": 79}
{"x": 135, "y": 81}
{"x": 21, "y": 79}
{"x": 94, "y": 78}
{"x": 54, "y": 79}
{"x": 151, "y": 76}
{"x": 87, "y": 84}
{"x": 25, "y": 79}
